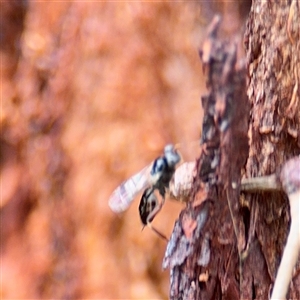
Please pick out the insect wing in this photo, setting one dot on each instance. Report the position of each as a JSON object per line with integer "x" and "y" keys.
{"x": 125, "y": 193}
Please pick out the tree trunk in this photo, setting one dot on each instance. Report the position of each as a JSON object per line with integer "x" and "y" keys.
{"x": 272, "y": 45}
{"x": 228, "y": 245}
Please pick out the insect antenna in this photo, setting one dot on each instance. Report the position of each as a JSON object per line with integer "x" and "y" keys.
{"x": 188, "y": 150}
{"x": 181, "y": 145}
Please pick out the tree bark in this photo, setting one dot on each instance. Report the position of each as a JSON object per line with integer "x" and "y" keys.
{"x": 272, "y": 45}
{"x": 203, "y": 252}
{"x": 228, "y": 245}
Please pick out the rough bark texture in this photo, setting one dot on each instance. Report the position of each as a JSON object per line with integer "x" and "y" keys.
{"x": 273, "y": 55}
{"x": 226, "y": 245}
{"x": 203, "y": 252}
{"x": 91, "y": 92}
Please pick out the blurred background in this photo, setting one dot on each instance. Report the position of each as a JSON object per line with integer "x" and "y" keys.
{"x": 91, "y": 92}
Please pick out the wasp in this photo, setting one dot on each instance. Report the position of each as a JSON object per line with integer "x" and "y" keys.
{"x": 155, "y": 180}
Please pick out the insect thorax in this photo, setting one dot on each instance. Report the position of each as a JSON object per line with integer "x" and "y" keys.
{"x": 161, "y": 174}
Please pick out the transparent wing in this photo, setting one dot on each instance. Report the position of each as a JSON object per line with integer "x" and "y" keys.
{"x": 125, "y": 193}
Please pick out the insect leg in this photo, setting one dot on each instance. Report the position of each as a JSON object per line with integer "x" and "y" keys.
{"x": 157, "y": 231}
{"x": 149, "y": 208}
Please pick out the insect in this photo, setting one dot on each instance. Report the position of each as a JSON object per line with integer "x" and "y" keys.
{"x": 154, "y": 180}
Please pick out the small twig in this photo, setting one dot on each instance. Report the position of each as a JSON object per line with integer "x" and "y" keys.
{"x": 289, "y": 182}
{"x": 290, "y": 178}
{"x": 261, "y": 184}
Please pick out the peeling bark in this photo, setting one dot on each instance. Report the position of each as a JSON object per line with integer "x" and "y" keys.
{"x": 204, "y": 261}
{"x": 272, "y": 45}
{"x": 234, "y": 247}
